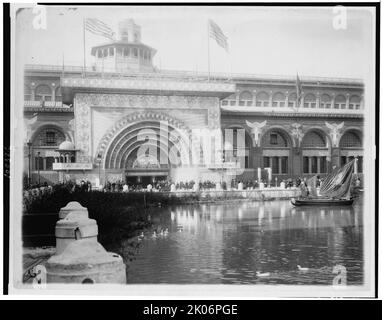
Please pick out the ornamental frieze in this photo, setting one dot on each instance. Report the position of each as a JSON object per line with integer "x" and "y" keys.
{"x": 142, "y": 101}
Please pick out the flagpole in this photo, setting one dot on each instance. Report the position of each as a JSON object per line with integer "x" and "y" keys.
{"x": 208, "y": 48}
{"x": 83, "y": 20}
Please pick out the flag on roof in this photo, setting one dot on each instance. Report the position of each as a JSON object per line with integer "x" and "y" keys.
{"x": 216, "y": 33}
{"x": 98, "y": 27}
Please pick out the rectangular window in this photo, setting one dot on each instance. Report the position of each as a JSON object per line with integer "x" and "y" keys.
{"x": 50, "y": 138}
{"x": 266, "y": 162}
{"x": 284, "y": 165}
{"x": 111, "y": 52}
{"x": 306, "y": 164}
{"x": 135, "y": 52}
{"x": 343, "y": 161}
{"x": 314, "y": 165}
{"x": 275, "y": 165}
{"x": 273, "y": 138}
{"x": 38, "y": 163}
{"x": 323, "y": 165}
{"x": 49, "y": 163}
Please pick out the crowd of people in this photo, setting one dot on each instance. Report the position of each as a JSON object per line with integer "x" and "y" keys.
{"x": 168, "y": 185}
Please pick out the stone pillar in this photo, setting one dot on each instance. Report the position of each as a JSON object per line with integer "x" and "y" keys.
{"x": 335, "y": 158}
{"x": 270, "y": 99}
{"x": 287, "y": 100}
{"x": 257, "y": 155}
{"x": 79, "y": 257}
{"x": 254, "y": 98}
{"x": 237, "y": 98}
{"x": 271, "y": 162}
{"x": 53, "y": 92}
{"x": 280, "y": 164}
{"x": 347, "y": 101}
{"x": 318, "y": 100}
{"x": 310, "y": 164}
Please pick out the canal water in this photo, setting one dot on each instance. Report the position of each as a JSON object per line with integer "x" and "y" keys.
{"x": 231, "y": 243}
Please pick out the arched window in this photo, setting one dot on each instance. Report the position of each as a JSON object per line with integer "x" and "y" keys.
{"x": 355, "y": 102}
{"x": 58, "y": 95}
{"x": 278, "y": 99}
{"x": 49, "y": 137}
{"x": 43, "y": 93}
{"x": 340, "y": 102}
{"x": 350, "y": 140}
{"x": 326, "y": 101}
{"x": 313, "y": 139}
{"x": 27, "y": 93}
{"x": 310, "y": 101}
{"x": 274, "y": 139}
{"x": 262, "y": 99}
{"x": 245, "y": 98}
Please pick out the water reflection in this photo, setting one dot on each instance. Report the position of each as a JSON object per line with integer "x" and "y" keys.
{"x": 229, "y": 243}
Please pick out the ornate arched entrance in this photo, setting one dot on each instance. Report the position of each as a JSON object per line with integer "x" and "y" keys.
{"x": 145, "y": 147}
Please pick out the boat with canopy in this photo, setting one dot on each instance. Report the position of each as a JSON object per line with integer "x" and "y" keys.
{"x": 334, "y": 190}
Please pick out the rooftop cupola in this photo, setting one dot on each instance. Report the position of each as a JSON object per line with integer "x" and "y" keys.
{"x": 127, "y": 53}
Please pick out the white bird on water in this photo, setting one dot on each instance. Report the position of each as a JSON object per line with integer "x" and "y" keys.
{"x": 301, "y": 268}
{"x": 265, "y": 274}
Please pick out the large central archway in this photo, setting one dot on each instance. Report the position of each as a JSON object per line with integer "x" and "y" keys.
{"x": 145, "y": 144}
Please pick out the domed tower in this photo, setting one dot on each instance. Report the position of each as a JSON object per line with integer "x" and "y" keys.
{"x": 125, "y": 54}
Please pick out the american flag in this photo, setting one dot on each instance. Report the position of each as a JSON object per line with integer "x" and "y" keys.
{"x": 216, "y": 33}
{"x": 98, "y": 27}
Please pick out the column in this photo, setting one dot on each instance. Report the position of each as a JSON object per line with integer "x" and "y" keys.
{"x": 318, "y": 100}
{"x": 302, "y": 100}
{"x": 237, "y": 98}
{"x": 254, "y": 97}
{"x": 332, "y": 102}
{"x": 286, "y": 99}
{"x": 310, "y": 164}
{"x": 280, "y": 165}
{"x": 270, "y": 99}
{"x": 53, "y": 92}
{"x": 43, "y": 163}
{"x": 347, "y": 101}
{"x": 270, "y": 162}
{"x": 356, "y": 166}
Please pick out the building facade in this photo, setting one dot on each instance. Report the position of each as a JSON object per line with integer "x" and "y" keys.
{"x": 91, "y": 123}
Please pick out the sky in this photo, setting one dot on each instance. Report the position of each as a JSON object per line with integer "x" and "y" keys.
{"x": 262, "y": 40}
